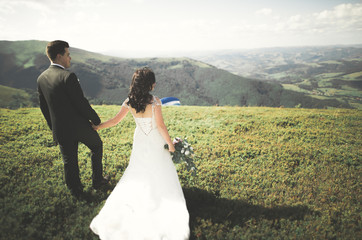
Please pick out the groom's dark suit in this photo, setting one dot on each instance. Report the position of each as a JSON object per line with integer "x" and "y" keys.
{"x": 68, "y": 115}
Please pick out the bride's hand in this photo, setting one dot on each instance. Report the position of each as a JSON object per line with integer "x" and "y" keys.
{"x": 95, "y": 127}
{"x": 171, "y": 148}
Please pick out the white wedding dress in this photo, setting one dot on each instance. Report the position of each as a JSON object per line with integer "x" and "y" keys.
{"x": 147, "y": 202}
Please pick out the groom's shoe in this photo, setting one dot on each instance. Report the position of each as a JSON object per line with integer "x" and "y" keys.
{"x": 77, "y": 192}
{"x": 104, "y": 181}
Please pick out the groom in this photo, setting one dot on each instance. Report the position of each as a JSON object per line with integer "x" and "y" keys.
{"x": 69, "y": 116}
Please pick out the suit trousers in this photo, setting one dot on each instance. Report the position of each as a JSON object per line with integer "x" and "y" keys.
{"x": 69, "y": 151}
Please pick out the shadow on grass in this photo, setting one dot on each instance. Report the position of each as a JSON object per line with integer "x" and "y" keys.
{"x": 96, "y": 195}
{"x": 205, "y": 205}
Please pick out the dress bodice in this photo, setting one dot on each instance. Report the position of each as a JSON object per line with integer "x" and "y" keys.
{"x": 145, "y": 124}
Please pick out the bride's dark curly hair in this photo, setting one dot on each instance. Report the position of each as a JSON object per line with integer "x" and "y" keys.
{"x": 139, "y": 92}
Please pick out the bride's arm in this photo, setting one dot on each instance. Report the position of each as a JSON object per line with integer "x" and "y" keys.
{"x": 113, "y": 121}
{"x": 162, "y": 127}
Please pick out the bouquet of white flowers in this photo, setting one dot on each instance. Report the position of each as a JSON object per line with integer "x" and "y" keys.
{"x": 183, "y": 153}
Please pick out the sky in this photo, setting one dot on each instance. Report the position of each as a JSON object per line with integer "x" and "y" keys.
{"x": 142, "y": 27}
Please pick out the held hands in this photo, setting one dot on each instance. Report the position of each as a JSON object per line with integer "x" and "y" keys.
{"x": 95, "y": 127}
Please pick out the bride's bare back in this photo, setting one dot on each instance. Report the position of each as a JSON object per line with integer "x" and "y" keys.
{"x": 146, "y": 114}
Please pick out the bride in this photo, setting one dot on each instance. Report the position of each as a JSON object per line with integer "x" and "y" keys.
{"x": 148, "y": 202}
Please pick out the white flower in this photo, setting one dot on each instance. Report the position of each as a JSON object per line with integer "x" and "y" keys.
{"x": 176, "y": 140}
{"x": 182, "y": 150}
{"x": 187, "y": 152}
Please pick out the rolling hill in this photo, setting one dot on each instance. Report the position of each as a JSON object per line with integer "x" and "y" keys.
{"x": 106, "y": 79}
{"x": 329, "y": 72}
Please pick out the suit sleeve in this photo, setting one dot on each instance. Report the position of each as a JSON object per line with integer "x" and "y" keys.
{"x": 79, "y": 101}
{"x": 44, "y": 108}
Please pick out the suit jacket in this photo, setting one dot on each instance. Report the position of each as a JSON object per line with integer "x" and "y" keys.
{"x": 63, "y": 104}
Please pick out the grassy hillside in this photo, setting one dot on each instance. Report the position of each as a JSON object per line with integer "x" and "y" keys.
{"x": 14, "y": 98}
{"x": 106, "y": 80}
{"x": 263, "y": 173}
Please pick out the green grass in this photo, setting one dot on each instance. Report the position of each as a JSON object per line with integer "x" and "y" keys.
{"x": 279, "y": 75}
{"x": 319, "y": 97}
{"x": 345, "y": 91}
{"x": 356, "y": 105}
{"x": 328, "y": 75}
{"x": 7, "y": 92}
{"x": 331, "y": 62}
{"x": 306, "y": 82}
{"x": 353, "y": 76}
{"x": 294, "y": 87}
{"x": 25, "y": 51}
{"x": 14, "y": 98}
{"x": 263, "y": 173}
{"x": 311, "y": 64}
{"x": 327, "y": 90}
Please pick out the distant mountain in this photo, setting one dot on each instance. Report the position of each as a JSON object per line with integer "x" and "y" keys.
{"x": 331, "y": 72}
{"x": 106, "y": 79}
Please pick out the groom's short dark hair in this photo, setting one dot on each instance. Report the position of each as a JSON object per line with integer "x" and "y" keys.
{"x": 56, "y": 47}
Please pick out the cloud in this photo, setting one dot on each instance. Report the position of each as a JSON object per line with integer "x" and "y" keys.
{"x": 341, "y": 24}
{"x": 19, "y": 18}
{"x": 9, "y": 7}
{"x": 264, "y": 11}
{"x": 83, "y": 3}
{"x": 138, "y": 1}
{"x": 341, "y": 11}
{"x": 342, "y": 18}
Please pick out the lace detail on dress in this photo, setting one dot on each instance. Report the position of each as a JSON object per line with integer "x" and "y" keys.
{"x": 146, "y": 125}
